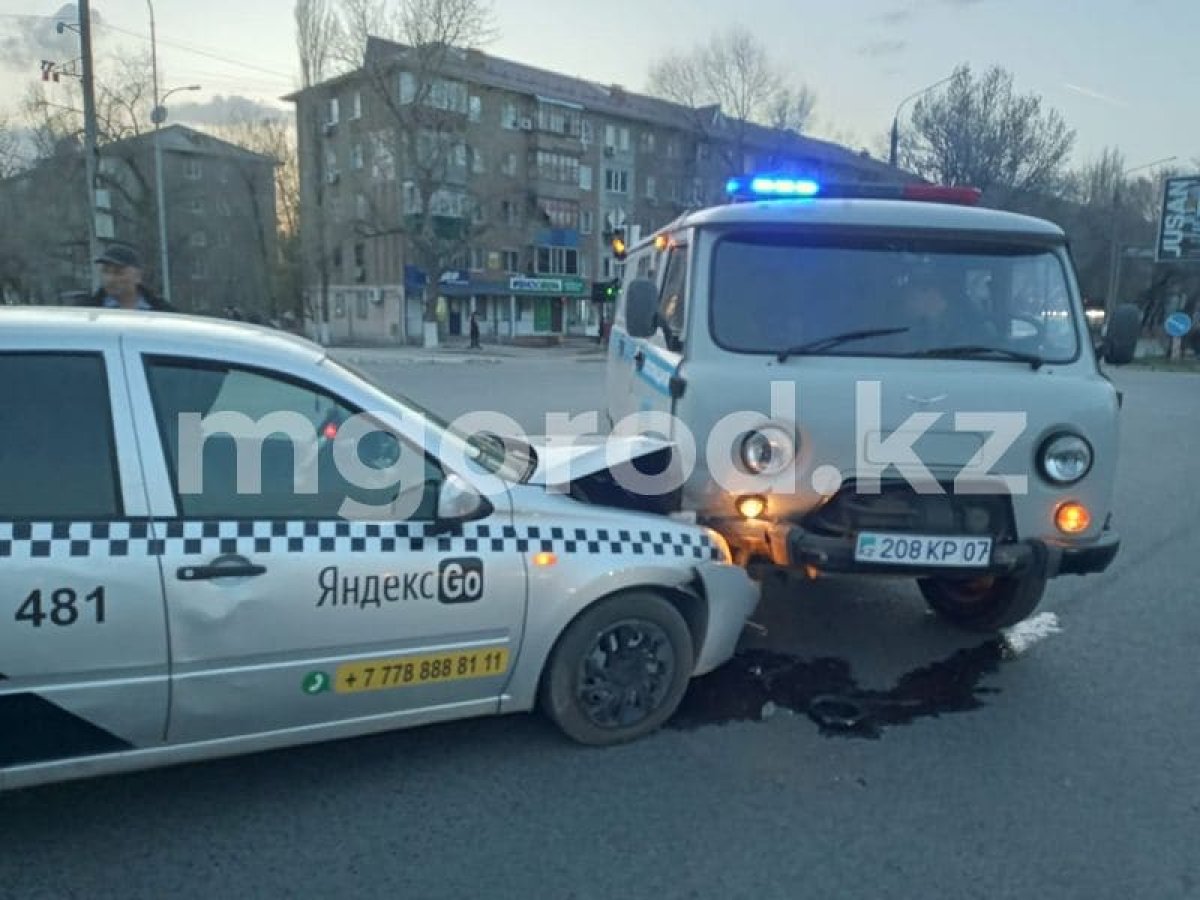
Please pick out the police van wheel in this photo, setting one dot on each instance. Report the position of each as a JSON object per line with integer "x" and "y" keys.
{"x": 983, "y": 604}
{"x": 619, "y": 670}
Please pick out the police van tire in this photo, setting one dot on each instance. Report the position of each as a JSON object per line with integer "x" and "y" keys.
{"x": 634, "y": 644}
{"x": 984, "y": 604}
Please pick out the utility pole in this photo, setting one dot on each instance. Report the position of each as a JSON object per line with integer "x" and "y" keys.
{"x": 89, "y": 129}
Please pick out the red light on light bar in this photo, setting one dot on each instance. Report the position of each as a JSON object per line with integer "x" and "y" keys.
{"x": 937, "y": 193}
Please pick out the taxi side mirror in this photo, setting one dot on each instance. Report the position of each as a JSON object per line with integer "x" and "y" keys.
{"x": 458, "y": 502}
{"x": 641, "y": 302}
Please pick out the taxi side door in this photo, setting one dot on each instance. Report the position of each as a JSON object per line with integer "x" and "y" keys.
{"x": 83, "y": 641}
{"x": 285, "y": 616}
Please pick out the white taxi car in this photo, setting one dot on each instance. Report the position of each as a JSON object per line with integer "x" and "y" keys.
{"x": 172, "y": 588}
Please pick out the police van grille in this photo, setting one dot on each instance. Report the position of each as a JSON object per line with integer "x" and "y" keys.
{"x": 898, "y": 507}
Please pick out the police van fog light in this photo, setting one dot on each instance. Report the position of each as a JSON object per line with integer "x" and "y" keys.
{"x": 544, "y": 559}
{"x": 1072, "y": 518}
{"x": 751, "y": 506}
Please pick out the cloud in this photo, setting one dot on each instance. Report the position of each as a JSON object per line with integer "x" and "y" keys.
{"x": 26, "y": 40}
{"x": 895, "y": 16}
{"x": 1094, "y": 95}
{"x": 882, "y": 48}
{"x": 222, "y": 110}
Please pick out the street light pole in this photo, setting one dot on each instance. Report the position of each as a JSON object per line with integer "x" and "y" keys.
{"x": 896, "y": 118}
{"x": 1115, "y": 257}
{"x": 90, "y": 151}
{"x": 156, "y": 117}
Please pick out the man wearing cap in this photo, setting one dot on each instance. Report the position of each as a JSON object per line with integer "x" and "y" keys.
{"x": 121, "y": 273}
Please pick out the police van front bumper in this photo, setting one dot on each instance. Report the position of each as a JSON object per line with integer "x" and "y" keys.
{"x": 791, "y": 546}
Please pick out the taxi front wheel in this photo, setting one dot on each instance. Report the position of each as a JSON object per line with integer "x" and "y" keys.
{"x": 619, "y": 670}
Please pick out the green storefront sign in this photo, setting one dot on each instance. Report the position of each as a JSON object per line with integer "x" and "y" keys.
{"x": 566, "y": 286}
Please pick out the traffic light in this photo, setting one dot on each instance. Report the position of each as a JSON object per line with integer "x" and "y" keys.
{"x": 611, "y": 289}
{"x": 605, "y": 291}
{"x": 616, "y": 242}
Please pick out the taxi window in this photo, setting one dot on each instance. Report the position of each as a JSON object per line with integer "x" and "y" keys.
{"x": 57, "y": 455}
{"x": 179, "y": 387}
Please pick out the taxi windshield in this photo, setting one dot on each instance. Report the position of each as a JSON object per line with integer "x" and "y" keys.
{"x": 788, "y": 294}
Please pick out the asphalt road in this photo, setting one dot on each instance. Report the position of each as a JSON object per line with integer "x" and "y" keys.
{"x": 1066, "y": 771}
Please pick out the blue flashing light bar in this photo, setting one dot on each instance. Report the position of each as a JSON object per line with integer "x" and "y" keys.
{"x": 766, "y": 186}
{"x": 773, "y": 187}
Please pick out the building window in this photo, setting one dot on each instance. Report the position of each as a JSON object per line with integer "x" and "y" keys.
{"x": 408, "y": 87}
{"x": 199, "y": 269}
{"x": 560, "y": 213}
{"x": 616, "y": 181}
{"x": 651, "y": 188}
{"x": 198, "y": 239}
{"x": 509, "y": 167}
{"x": 510, "y": 214}
{"x": 191, "y": 169}
{"x": 477, "y": 164}
{"x": 585, "y": 178}
{"x": 360, "y": 207}
{"x": 623, "y": 134}
{"x": 647, "y": 141}
{"x": 478, "y": 259}
{"x": 360, "y": 303}
{"x": 196, "y": 207}
{"x": 356, "y": 105}
{"x": 510, "y": 260}
{"x": 585, "y": 267}
{"x": 410, "y": 199}
{"x": 510, "y": 118}
{"x": 586, "y": 135}
{"x": 223, "y": 238}
{"x": 586, "y": 221}
{"x": 610, "y": 137}
{"x": 331, "y": 117}
{"x": 559, "y": 119}
{"x": 356, "y": 157}
{"x": 336, "y": 258}
{"x": 557, "y": 167}
{"x": 672, "y": 149}
{"x": 476, "y": 109}
{"x": 223, "y": 208}
{"x": 557, "y": 261}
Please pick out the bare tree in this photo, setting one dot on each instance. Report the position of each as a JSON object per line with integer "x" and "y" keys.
{"x": 317, "y": 35}
{"x": 10, "y": 152}
{"x": 440, "y": 212}
{"x": 731, "y": 83}
{"x": 276, "y": 247}
{"x": 978, "y": 131}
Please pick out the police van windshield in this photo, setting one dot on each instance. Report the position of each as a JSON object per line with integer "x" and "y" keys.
{"x": 787, "y": 293}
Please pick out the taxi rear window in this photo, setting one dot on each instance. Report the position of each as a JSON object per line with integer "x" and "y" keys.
{"x": 57, "y": 453}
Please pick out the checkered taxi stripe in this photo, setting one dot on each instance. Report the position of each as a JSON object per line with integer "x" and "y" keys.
{"x": 141, "y": 538}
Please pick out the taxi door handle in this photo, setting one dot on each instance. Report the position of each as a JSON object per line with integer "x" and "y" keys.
{"x": 222, "y": 567}
{"x": 639, "y": 360}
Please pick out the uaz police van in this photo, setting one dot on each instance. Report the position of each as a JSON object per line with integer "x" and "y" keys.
{"x": 878, "y": 379}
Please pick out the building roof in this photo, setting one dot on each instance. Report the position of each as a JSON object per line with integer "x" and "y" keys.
{"x": 182, "y": 139}
{"x": 480, "y": 68}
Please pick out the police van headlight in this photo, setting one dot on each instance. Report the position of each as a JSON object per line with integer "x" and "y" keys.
{"x": 767, "y": 450}
{"x": 1066, "y": 458}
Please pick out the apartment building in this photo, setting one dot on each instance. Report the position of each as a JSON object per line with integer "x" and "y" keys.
{"x": 538, "y": 167}
{"x": 220, "y": 220}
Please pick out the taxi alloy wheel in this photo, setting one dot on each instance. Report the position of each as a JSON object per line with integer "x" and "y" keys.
{"x": 984, "y": 604}
{"x": 619, "y": 670}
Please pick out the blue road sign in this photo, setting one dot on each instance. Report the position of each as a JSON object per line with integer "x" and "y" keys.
{"x": 1178, "y": 324}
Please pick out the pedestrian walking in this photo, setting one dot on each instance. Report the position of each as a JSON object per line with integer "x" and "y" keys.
{"x": 121, "y": 282}
{"x": 474, "y": 331}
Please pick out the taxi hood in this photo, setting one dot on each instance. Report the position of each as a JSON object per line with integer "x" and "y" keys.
{"x": 563, "y": 460}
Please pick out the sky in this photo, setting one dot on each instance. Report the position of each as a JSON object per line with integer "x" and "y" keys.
{"x": 1123, "y": 73}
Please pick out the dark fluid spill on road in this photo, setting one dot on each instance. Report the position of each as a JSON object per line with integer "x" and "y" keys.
{"x": 754, "y": 682}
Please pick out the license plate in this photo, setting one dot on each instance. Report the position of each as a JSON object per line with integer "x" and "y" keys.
{"x": 431, "y": 668}
{"x": 922, "y": 550}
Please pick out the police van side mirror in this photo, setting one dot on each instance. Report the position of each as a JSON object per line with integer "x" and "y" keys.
{"x": 641, "y": 308}
{"x": 1121, "y": 335}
